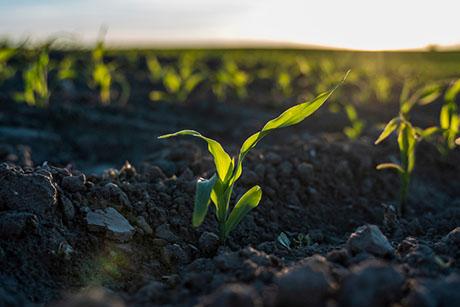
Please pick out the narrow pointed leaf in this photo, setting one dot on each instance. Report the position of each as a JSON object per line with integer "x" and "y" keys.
{"x": 222, "y": 160}
{"x": 290, "y": 117}
{"x": 453, "y": 91}
{"x": 246, "y": 203}
{"x": 389, "y": 128}
{"x": 202, "y": 199}
{"x": 390, "y": 165}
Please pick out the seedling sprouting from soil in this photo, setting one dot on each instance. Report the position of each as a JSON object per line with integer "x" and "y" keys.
{"x": 449, "y": 118}
{"x": 178, "y": 82}
{"x": 36, "y": 81}
{"x": 104, "y": 75}
{"x": 408, "y": 136}
{"x": 356, "y": 124}
{"x": 6, "y": 71}
{"x": 219, "y": 187}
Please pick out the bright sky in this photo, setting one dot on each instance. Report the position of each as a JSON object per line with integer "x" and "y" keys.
{"x": 357, "y": 24}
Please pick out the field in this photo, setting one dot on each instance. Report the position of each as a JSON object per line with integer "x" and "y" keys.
{"x": 94, "y": 207}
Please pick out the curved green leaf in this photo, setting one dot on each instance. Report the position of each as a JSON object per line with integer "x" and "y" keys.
{"x": 246, "y": 203}
{"x": 389, "y": 128}
{"x": 202, "y": 199}
{"x": 290, "y": 117}
{"x": 223, "y": 162}
{"x": 390, "y": 165}
{"x": 453, "y": 91}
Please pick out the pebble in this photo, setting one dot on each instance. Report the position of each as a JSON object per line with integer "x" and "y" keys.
{"x": 74, "y": 183}
{"x": 208, "y": 243}
{"x": 110, "y": 221}
{"x": 369, "y": 238}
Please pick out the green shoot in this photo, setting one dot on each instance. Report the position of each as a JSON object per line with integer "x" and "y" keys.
{"x": 178, "y": 82}
{"x": 101, "y": 73}
{"x": 408, "y": 136}
{"x": 356, "y": 124}
{"x": 218, "y": 189}
{"x": 449, "y": 118}
{"x": 35, "y": 78}
{"x": 6, "y": 71}
{"x": 229, "y": 77}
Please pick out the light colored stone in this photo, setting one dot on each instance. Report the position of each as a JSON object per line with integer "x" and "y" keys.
{"x": 110, "y": 221}
{"x": 369, "y": 238}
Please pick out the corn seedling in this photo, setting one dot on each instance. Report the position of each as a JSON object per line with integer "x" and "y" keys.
{"x": 356, "y": 124}
{"x": 35, "y": 78}
{"x": 229, "y": 78}
{"x": 408, "y": 137}
{"x": 218, "y": 189}
{"x": 101, "y": 76}
{"x": 6, "y": 71}
{"x": 178, "y": 82}
{"x": 449, "y": 119}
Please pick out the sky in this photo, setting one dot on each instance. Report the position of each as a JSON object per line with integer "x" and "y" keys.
{"x": 354, "y": 24}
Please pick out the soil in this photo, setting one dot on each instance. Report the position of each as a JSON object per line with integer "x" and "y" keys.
{"x": 63, "y": 167}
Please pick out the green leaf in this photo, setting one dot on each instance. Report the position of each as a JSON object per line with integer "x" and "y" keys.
{"x": 223, "y": 162}
{"x": 246, "y": 203}
{"x": 290, "y": 117}
{"x": 406, "y": 141}
{"x": 427, "y": 132}
{"x": 453, "y": 91}
{"x": 429, "y": 94}
{"x": 202, "y": 199}
{"x": 390, "y": 165}
{"x": 389, "y": 128}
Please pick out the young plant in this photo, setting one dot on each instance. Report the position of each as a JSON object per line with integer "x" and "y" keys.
{"x": 229, "y": 78}
{"x": 356, "y": 124}
{"x": 6, "y": 71}
{"x": 178, "y": 82}
{"x": 35, "y": 78}
{"x": 218, "y": 189}
{"x": 408, "y": 137}
{"x": 449, "y": 118}
{"x": 105, "y": 77}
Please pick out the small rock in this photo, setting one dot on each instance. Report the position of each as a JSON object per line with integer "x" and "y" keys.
{"x": 233, "y": 295}
{"x": 369, "y": 238}
{"x": 31, "y": 192}
{"x": 306, "y": 285}
{"x": 74, "y": 183}
{"x": 164, "y": 232}
{"x": 114, "y": 196}
{"x": 110, "y": 221}
{"x": 305, "y": 172}
{"x": 372, "y": 283}
{"x": 173, "y": 254}
{"x": 208, "y": 243}
{"x": 144, "y": 225}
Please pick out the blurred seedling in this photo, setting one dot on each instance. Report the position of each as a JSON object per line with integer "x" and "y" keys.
{"x": 229, "y": 78}
{"x": 299, "y": 241}
{"x": 178, "y": 82}
{"x": 219, "y": 188}
{"x": 6, "y": 70}
{"x": 356, "y": 124}
{"x": 105, "y": 75}
{"x": 35, "y": 78}
{"x": 449, "y": 119}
